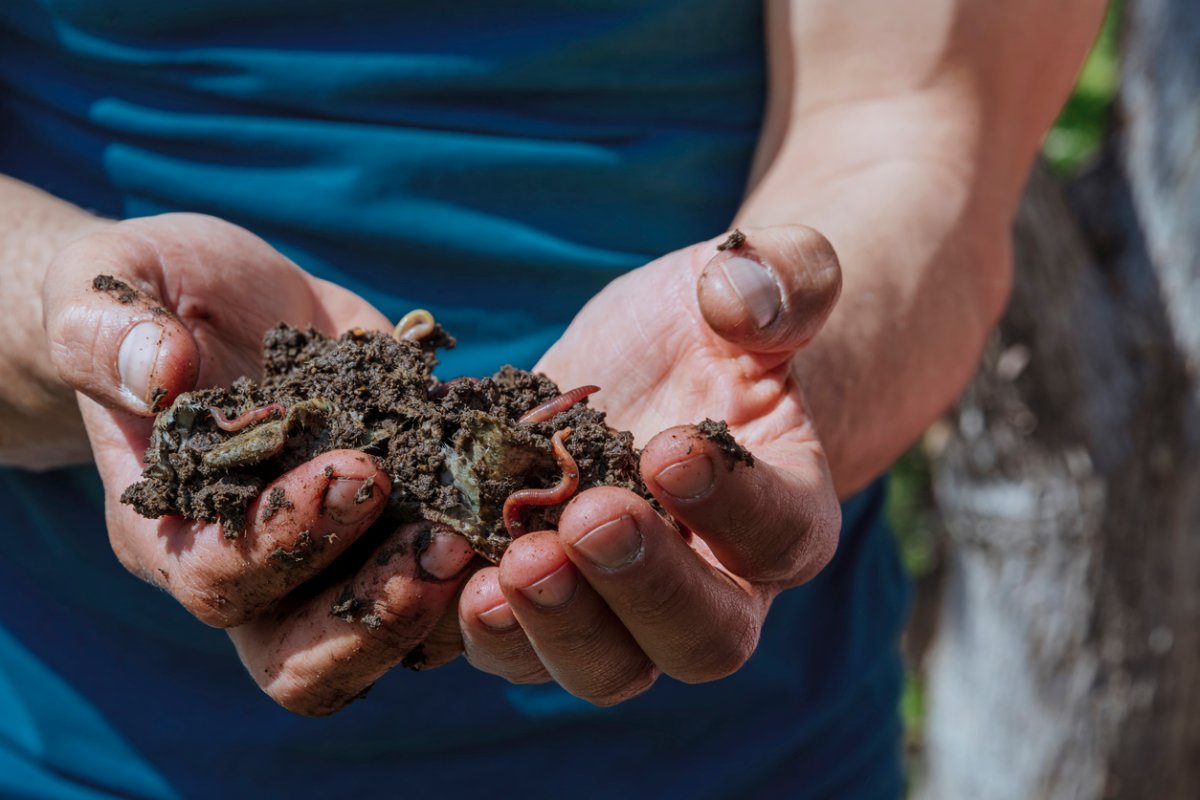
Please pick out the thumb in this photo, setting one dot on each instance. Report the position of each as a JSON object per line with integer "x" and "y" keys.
{"x": 770, "y": 290}
{"x": 110, "y": 336}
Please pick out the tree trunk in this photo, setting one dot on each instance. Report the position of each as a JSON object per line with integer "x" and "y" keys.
{"x": 1067, "y": 662}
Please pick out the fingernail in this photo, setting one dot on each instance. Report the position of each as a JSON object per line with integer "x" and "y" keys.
{"x": 499, "y": 618}
{"x": 754, "y": 286}
{"x": 613, "y": 544}
{"x": 553, "y": 590}
{"x": 687, "y": 480}
{"x": 348, "y": 500}
{"x": 136, "y": 360}
{"x": 446, "y": 555}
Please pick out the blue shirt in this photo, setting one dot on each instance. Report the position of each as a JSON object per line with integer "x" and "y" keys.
{"x": 462, "y": 156}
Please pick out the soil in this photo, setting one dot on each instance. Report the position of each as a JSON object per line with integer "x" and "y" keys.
{"x": 454, "y": 451}
{"x": 735, "y": 240}
{"x": 718, "y": 433}
{"x": 118, "y": 289}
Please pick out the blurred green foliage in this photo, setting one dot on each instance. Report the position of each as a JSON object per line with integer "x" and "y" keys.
{"x": 911, "y": 513}
{"x": 1079, "y": 131}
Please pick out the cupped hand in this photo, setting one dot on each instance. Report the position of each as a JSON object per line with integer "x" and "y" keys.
{"x": 186, "y": 303}
{"x": 617, "y": 596}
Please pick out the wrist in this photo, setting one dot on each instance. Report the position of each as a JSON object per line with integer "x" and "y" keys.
{"x": 40, "y": 424}
{"x": 926, "y": 269}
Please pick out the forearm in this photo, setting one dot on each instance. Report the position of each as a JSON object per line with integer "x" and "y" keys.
{"x": 925, "y": 267}
{"x": 906, "y": 139}
{"x": 39, "y": 419}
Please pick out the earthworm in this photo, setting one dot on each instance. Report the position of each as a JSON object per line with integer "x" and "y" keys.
{"x": 559, "y": 493}
{"x": 244, "y": 419}
{"x": 557, "y": 405}
{"x": 442, "y": 389}
{"x": 414, "y": 326}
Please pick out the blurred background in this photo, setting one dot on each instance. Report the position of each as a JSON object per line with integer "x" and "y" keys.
{"x": 1050, "y": 519}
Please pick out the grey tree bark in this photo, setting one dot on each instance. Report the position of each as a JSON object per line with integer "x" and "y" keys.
{"x": 1067, "y": 660}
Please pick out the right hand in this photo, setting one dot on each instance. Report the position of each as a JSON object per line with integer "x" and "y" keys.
{"x": 204, "y": 293}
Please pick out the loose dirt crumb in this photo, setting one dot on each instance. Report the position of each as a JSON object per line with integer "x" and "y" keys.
{"x": 119, "y": 289}
{"x": 347, "y": 605}
{"x": 735, "y": 240}
{"x": 718, "y": 433}
{"x": 386, "y": 553}
{"x": 276, "y": 500}
{"x": 416, "y": 659}
{"x": 156, "y": 397}
{"x": 298, "y": 555}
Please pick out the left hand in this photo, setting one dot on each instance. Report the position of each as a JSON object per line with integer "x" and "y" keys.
{"x": 617, "y": 596}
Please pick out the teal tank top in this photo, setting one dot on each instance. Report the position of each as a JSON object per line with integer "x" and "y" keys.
{"x": 497, "y": 163}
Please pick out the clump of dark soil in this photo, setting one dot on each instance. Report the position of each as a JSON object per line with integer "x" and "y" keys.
{"x": 718, "y": 433}
{"x": 454, "y": 451}
{"x": 118, "y": 289}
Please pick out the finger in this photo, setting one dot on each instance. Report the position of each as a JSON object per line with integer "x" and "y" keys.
{"x": 342, "y": 310}
{"x": 211, "y": 287}
{"x": 299, "y": 525}
{"x": 763, "y": 522}
{"x": 695, "y": 622}
{"x": 110, "y": 334}
{"x": 318, "y": 656}
{"x": 443, "y": 644}
{"x": 295, "y": 529}
{"x": 492, "y": 638}
{"x": 578, "y": 639}
{"x": 773, "y": 291}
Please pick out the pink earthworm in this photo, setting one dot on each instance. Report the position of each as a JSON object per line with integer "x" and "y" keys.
{"x": 559, "y": 493}
{"x": 414, "y": 326}
{"x": 244, "y": 419}
{"x": 442, "y": 389}
{"x": 557, "y": 405}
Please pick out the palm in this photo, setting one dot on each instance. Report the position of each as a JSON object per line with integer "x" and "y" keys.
{"x": 228, "y": 288}
{"x": 198, "y": 296}
{"x": 644, "y": 341}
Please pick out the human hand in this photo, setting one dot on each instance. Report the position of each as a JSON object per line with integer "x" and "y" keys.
{"x": 617, "y": 596}
{"x": 195, "y": 297}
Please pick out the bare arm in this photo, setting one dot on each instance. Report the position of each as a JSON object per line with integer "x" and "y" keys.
{"x": 904, "y": 133}
{"x": 40, "y": 424}
{"x": 80, "y": 368}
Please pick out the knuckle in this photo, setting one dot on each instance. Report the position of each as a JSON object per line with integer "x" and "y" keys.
{"x": 663, "y": 600}
{"x": 795, "y": 550}
{"x": 813, "y": 250}
{"x": 213, "y": 609}
{"x": 527, "y": 675}
{"x": 512, "y": 659}
{"x": 207, "y": 600}
{"x": 762, "y": 548}
{"x": 621, "y": 688}
{"x": 523, "y": 669}
{"x": 816, "y": 548}
{"x": 305, "y": 696}
{"x": 788, "y": 552}
{"x": 72, "y": 334}
{"x": 722, "y": 656}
